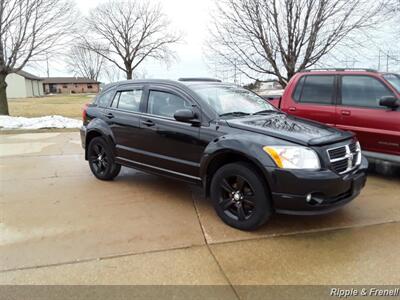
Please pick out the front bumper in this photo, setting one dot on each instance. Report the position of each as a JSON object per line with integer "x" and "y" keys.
{"x": 326, "y": 190}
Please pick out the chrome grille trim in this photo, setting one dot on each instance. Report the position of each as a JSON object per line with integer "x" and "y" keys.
{"x": 351, "y": 159}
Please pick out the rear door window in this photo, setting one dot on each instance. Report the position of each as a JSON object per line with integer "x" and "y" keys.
{"x": 363, "y": 91}
{"x": 104, "y": 99}
{"x": 128, "y": 100}
{"x": 315, "y": 89}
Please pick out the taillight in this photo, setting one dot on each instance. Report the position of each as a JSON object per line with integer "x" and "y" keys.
{"x": 84, "y": 108}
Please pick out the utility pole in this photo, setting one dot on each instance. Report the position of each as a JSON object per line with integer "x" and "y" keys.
{"x": 379, "y": 60}
{"x": 47, "y": 65}
{"x": 235, "y": 73}
{"x": 387, "y": 62}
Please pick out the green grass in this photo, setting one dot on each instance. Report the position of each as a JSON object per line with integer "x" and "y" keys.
{"x": 63, "y": 105}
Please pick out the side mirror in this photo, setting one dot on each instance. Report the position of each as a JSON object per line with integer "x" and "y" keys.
{"x": 186, "y": 115}
{"x": 390, "y": 102}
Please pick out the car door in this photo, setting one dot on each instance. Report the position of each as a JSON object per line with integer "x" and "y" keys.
{"x": 313, "y": 98}
{"x": 123, "y": 117}
{"x": 377, "y": 127}
{"x": 168, "y": 144}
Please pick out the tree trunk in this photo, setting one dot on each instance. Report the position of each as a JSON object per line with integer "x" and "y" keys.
{"x": 129, "y": 74}
{"x": 282, "y": 82}
{"x": 3, "y": 95}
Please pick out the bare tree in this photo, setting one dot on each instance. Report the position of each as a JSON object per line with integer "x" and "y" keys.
{"x": 282, "y": 37}
{"x": 112, "y": 73}
{"x": 127, "y": 32}
{"x": 393, "y": 6}
{"x": 28, "y": 30}
{"x": 84, "y": 62}
{"x": 393, "y": 9}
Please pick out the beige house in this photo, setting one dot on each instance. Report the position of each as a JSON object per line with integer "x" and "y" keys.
{"x": 70, "y": 85}
{"x": 23, "y": 84}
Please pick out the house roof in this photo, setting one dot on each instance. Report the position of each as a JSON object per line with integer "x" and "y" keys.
{"x": 28, "y": 75}
{"x": 68, "y": 80}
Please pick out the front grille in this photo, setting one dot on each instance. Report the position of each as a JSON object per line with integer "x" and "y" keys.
{"x": 340, "y": 166}
{"x": 345, "y": 158}
{"x": 353, "y": 147}
{"x": 336, "y": 153}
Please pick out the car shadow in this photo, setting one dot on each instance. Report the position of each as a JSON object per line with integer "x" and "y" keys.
{"x": 383, "y": 170}
{"x": 364, "y": 210}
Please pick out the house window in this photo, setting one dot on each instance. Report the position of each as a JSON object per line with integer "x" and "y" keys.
{"x": 89, "y": 86}
{"x": 65, "y": 86}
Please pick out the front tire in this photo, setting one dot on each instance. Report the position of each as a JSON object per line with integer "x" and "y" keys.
{"x": 101, "y": 160}
{"x": 240, "y": 197}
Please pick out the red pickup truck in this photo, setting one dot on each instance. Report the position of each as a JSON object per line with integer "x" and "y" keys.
{"x": 366, "y": 102}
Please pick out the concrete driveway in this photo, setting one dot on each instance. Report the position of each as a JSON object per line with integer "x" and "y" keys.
{"x": 59, "y": 225}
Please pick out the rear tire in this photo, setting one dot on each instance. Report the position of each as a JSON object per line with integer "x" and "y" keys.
{"x": 240, "y": 197}
{"x": 101, "y": 160}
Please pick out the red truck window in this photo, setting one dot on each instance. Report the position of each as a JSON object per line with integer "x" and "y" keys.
{"x": 315, "y": 89}
{"x": 363, "y": 91}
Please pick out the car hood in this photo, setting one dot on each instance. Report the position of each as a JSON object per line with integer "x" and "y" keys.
{"x": 290, "y": 128}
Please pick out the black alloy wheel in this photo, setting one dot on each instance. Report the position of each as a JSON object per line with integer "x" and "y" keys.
{"x": 240, "y": 196}
{"x": 237, "y": 198}
{"x": 101, "y": 160}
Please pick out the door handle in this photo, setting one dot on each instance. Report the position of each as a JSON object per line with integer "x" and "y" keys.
{"x": 345, "y": 112}
{"x": 292, "y": 108}
{"x": 148, "y": 123}
{"x": 109, "y": 115}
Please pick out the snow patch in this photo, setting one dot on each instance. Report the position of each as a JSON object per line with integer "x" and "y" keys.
{"x": 8, "y": 122}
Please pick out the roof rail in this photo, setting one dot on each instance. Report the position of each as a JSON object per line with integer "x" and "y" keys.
{"x": 199, "y": 79}
{"x": 342, "y": 69}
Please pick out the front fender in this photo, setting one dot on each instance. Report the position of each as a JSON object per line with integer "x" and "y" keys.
{"x": 248, "y": 146}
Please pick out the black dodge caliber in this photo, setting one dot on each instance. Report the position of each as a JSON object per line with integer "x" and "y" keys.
{"x": 251, "y": 159}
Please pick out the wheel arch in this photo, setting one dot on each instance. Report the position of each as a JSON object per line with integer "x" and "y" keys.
{"x": 93, "y": 133}
{"x": 223, "y": 157}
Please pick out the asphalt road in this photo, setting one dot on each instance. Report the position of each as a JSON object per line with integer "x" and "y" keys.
{"x": 59, "y": 225}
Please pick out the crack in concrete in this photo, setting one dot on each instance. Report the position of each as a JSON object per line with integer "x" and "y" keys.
{"x": 209, "y": 249}
{"x": 84, "y": 260}
{"x": 188, "y": 247}
{"x": 55, "y": 175}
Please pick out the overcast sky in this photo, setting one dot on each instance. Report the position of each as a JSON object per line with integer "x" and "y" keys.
{"x": 190, "y": 17}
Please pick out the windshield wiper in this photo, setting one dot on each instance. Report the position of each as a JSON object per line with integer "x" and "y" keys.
{"x": 267, "y": 111}
{"x": 235, "y": 114}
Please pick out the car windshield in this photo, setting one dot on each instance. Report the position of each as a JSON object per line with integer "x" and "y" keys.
{"x": 394, "y": 79}
{"x": 232, "y": 100}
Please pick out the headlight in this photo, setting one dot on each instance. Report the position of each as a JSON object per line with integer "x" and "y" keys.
{"x": 293, "y": 157}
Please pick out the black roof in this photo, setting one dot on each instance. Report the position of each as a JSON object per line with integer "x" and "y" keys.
{"x": 181, "y": 84}
{"x": 198, "y": 79}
